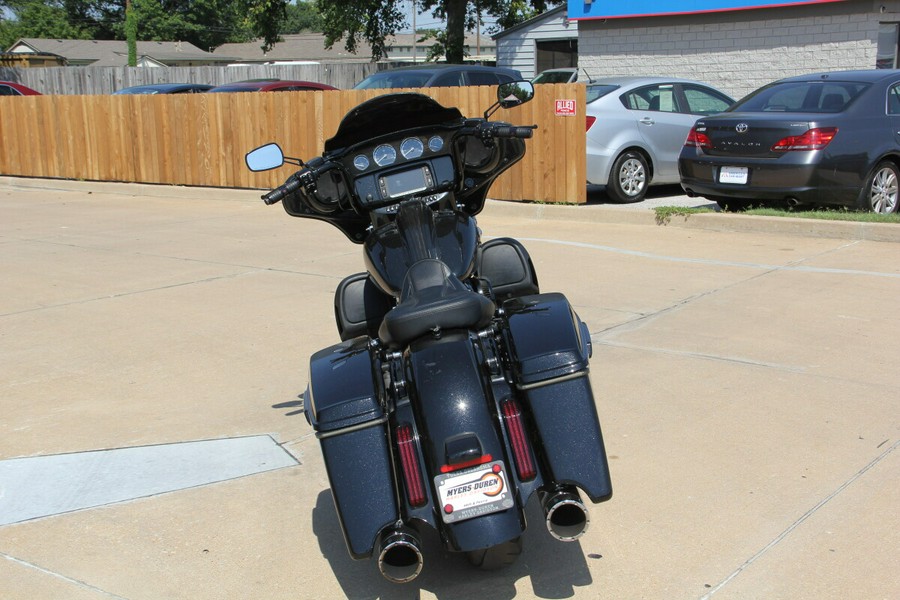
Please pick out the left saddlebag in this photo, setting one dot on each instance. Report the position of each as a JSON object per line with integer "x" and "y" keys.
{"x": 343, "y": 407}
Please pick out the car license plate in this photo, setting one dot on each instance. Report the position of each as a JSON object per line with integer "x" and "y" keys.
{"x": 736, "y": 175}
{"x": 474, "y": 492}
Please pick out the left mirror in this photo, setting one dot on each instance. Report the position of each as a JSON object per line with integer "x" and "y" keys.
{"x": 264, "y": 158}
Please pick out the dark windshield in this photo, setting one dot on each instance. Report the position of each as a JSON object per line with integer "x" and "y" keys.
{"x": 555, "y": 77}
{"x": 598, "y": 91}
{"x": 802, "y": 96}
{"x": 387, "y": 114}
{"x": 389, "y": 80}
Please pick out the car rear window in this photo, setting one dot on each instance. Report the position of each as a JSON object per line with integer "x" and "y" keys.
{"x": 803, "y": 96}
{"x": 394, "y": 80}
{"x": 595, "y": 92}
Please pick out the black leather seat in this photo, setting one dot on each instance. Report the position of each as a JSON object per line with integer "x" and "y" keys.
{"x": 432, "y": 299}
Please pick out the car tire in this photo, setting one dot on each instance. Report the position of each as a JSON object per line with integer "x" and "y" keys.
{"x": 732, "y": 204}
{"x": 629, "y": 178}
{"x": 882, "y": 190}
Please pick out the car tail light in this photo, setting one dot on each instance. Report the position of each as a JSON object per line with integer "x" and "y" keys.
{"x": 698, "y": 139}
{"x": 409, "y": 463}
{"x": 590, "y": 121}
{"x": 814, "y": 139}
{"x": 515, "y": 428}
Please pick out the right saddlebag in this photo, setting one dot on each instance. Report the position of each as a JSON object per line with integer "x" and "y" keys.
{"x": 343, "y": 407}
{"x": 549, "y": 350}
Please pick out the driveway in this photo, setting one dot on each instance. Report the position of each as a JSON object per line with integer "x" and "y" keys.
{"x": 153, "y": 352}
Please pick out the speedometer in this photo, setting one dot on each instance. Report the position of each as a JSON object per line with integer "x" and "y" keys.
{"x": 412, "y": 148}
{"x": 384, "y": 155}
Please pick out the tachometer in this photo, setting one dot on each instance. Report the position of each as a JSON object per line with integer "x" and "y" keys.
{"x": 384, "y": 155}
{"x": 412, "y": 148}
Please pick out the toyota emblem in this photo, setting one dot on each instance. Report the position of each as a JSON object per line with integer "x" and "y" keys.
{"x": 741, "y": 128}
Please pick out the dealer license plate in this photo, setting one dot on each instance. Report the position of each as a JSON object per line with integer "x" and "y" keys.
{"x": 736, "y": 175}
{"x": 474, "y": 492}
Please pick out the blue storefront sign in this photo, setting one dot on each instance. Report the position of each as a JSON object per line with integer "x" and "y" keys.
{"x": 608, "y": 9}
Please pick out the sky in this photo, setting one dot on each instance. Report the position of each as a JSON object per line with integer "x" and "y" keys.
{"x": 426, "y": 21}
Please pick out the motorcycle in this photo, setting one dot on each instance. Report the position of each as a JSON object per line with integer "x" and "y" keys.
{"x": 459, "y": 390}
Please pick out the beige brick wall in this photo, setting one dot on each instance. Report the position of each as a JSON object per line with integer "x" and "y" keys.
{"x": 738, "y": 51}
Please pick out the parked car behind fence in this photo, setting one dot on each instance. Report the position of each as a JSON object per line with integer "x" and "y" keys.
{"x": 438, "y": 76}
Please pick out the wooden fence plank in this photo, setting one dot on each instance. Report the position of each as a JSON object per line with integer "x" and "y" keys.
{"x": 201, "y": 139}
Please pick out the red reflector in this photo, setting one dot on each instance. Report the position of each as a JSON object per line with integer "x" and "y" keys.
{"x": 814, "y": 139}
{"x": 484, "y": 458}
{"x": 409, "y": 462}
{"x": 590, "y": 122}
{"x": 515, "y": 428}
{"x": 697, "y": 139}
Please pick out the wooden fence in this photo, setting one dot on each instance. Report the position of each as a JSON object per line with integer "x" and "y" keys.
{"x": 201, "y": 139}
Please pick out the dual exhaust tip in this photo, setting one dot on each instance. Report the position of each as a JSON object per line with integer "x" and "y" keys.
{"x": 400, "y": 551}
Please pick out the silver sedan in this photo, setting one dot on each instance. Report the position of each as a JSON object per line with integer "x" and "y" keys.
{"x": 636, "y": 127}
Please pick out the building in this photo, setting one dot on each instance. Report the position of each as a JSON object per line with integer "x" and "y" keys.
{"x": 310, "y": 48}
{"x": 547, "y": 41}
{"x": 112, "y": 53}
{"x": 735, "y": 45}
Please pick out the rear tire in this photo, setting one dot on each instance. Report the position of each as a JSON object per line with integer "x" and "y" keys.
{"x": 882, "y": 189}
{"x": 629, "y": 178}
{"x": 496, "y": 557}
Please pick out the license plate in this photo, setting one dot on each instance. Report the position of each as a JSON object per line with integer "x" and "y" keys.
{"x": 474, "y": 492}
{"x": 736, "y": 175}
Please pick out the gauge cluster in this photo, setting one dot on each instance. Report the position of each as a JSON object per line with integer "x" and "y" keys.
{"x": 395, "y": 169}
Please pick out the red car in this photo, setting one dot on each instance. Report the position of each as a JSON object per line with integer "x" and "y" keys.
{"x": 272, "y": 85}
{"x": 10, "y": 88}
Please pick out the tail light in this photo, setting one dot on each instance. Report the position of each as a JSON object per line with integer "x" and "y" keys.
{"x": 590, "y": 121}
{"x": 409, "y": 463}
{"x": 698, "y": 139}
{"x": 515, "y": 428}
{"x": 814, "y": 139}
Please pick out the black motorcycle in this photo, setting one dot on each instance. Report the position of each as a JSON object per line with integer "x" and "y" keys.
{"x": 459, "y": 390}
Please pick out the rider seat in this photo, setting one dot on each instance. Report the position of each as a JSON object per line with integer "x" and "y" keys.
{"x": 433, "y": 299}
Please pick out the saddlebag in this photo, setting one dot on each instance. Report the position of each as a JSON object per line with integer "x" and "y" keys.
{"x": 505, "y": 263}
{"x": 343, "y": 407}
{"x": 549, "y": 350}
{"x": 359, "y": 306}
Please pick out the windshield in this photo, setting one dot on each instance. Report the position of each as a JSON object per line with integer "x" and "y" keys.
{"x": 555, "y": 77}
{"x": 802, "y": 96}
{"x": 387, "y": 114}
{"x": 595, "y": 92}
{"x": 387, "y": 80}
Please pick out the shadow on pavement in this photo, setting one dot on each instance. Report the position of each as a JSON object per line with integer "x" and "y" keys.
{"x": 555, "y": 568}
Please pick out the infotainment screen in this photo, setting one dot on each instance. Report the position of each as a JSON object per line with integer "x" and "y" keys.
{"x": 404, "y": 183}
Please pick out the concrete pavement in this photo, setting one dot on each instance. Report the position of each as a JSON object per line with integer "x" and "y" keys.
{"x": 745, "y": 372}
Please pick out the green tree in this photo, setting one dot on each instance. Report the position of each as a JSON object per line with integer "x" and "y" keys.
{"x": 373, "y": 21}
{"x": 302, "y": 16}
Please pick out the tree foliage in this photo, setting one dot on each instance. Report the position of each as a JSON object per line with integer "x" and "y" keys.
{"x": 204, "y": 23}
{"x": 374, "y": 21}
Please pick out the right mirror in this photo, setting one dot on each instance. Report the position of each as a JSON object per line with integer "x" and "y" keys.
{"x": 514, "y": 93}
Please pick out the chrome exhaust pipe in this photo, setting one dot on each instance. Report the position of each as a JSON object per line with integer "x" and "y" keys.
{"x": 400, "y": 557}
{"x": 566, "y": 515}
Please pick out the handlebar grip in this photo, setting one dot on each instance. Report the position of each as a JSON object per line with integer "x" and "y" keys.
{"x": 281, "y": 191}
{"x": 509, "y": 131}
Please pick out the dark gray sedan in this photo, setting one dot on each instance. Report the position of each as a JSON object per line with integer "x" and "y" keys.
{"x": 821, "y": 139}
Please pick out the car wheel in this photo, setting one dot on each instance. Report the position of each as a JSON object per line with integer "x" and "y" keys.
{"x": 732, "y": 205}
{"x": 882, "y": 188}
{"x": 629, "y": 177}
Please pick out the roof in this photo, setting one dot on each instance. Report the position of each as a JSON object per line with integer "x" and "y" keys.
{"x": 550, "y": 14}
{"x": 311, "y": 47}
{"x": 868, "y": 75}
{"x": 108, "y": 53}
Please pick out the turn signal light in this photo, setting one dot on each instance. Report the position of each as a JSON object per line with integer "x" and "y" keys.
{"x": 697, "y": 139}
{"x": 814, "y": 139}
{"x": 409, "y": 463}
{"x": 515, "y": 428}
